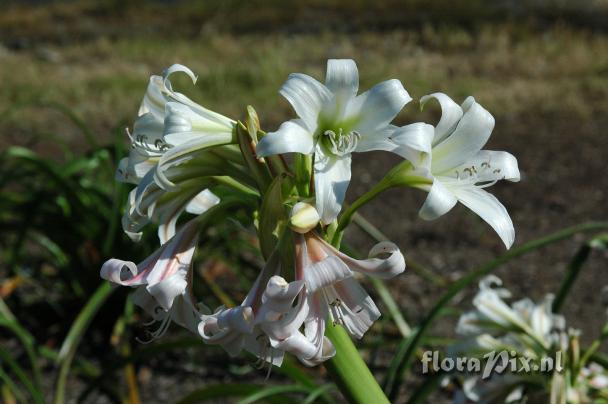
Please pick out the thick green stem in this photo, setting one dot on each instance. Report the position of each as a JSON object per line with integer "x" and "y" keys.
{"x": 350, "y": 372}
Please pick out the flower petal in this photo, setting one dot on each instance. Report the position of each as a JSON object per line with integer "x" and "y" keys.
{"x": 489, "y": 209}
{"x": 491, "y": 166}
{"x": 154, "y": 99}
{"x": 378, "y": 140}
{"x": 414, "y": 143}
{"x": 193, "y": 120}
{"x": 307, "y": 96}
{"x": 332, "y": 176}
{"x": 470, "y": 135}
{"x": 362, "y": 311}
{"x": 185, "y": 152}
{"x": 342, "y": 77}
{"x": 438, "y": 202}
{"x": 384, "y": 268}
{"x": 291, "y": 137}
{"x": 378, "y": 106}
{"x": 184, "y": 313}
{"x": 115, "y": 270}
{"x": 202, "y": 202}
{"x": 165, "y": 291}
{"x": 325, "y": 272}
{"x": 450, "y": 115}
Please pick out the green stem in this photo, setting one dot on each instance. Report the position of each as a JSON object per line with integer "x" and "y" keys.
{"x": 348, "y": 369}
{"x": 350, "y": 372}
{"x": 402, "y": 175}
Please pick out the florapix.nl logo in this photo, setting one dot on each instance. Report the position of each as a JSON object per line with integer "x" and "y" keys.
{"x": 493, "y": 362}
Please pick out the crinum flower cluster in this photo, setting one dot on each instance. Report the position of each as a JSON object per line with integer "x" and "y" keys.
{"x": 194, "y": 168}
{"x": 543, "y": 358}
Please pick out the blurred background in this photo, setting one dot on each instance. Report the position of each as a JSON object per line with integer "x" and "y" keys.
{"x": 72, "y": 75}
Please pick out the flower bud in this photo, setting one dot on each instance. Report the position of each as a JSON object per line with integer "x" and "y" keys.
{"x": 304, "y": 218}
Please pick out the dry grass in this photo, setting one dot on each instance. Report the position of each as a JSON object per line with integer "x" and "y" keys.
{"x": 509, "y": 69}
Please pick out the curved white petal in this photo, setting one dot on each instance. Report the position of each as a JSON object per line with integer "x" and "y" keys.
{"x": 291, "y": 137}
{"x": 470, "y": 135}
{"x": 379, "y": 140}
{"x": 307, "y": 96}
{"x": 314, "y": 330}
{"x": 278, "y": 298}
{"x": 490, "y": 165}
{"x": 378, "y": 106}
{"x": 134, "y": 168}
{"x": 342, "y": 77}
{"x": 154, "y": 99}
{"x": 489, "y": 209}
{"x": 184, "y": 313}
{"x": 202, "y": 202}
{"x": 438, "y": 202}
{"x": 450, "y": 115}
{"x": 194, "y": 118}
{"x": 324, "y": 273}
{"x": 384, "y": 268}
{"x": 414, "y": 143}
{"x": 165, "y": 291}
{"x": 331, "y": 177}
{"x": 184, "y": 152}
{"x": 361, "y": 310}
{"x": 296, "y": 344}
{"x": 147, "y": 134}
{"x": 115, "y": 270}
{"x": 174, "y": 69}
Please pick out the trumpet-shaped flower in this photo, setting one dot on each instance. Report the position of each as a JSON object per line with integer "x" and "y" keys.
{"x": 166, "y": 118}
{"x": 450, "y": 155}
{"x": 163, "y": 280}
{"x": 332, "y": 289}
{"x": 333, "y": 123}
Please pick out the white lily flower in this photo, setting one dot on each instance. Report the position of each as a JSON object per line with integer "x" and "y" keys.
{"x": 332, "y": 290}
{"x": 163, "y": 280}
{"x": 167, "y": 118}
{"x": 333, "y": 123}
{"x": 450, "y": 154}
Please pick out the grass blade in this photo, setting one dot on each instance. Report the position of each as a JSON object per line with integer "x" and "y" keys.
{"x": 72, "y": 340}
{"x": 574, "y": 268}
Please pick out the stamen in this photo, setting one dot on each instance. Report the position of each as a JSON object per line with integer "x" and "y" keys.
{"x": 341, "y": 143}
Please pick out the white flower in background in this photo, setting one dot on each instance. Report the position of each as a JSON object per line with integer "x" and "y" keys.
{"x": 333, "y": 123}
{"x": 531, "y": 330}
{"x": 332, "y": 290}
{"x": 167, "y": 118}
{"x": 163, "y": 280}
{"x": 450, "y": 154}
{"x": 526, "y": 325}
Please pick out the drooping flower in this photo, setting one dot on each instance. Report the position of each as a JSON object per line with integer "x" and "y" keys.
{"x": 266, "y": 324}
{"x": 162, "y": 280}
{"x": 450, "y": 155}
{"x": 332, "y": 291}
{"x": 333, "y": 123}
